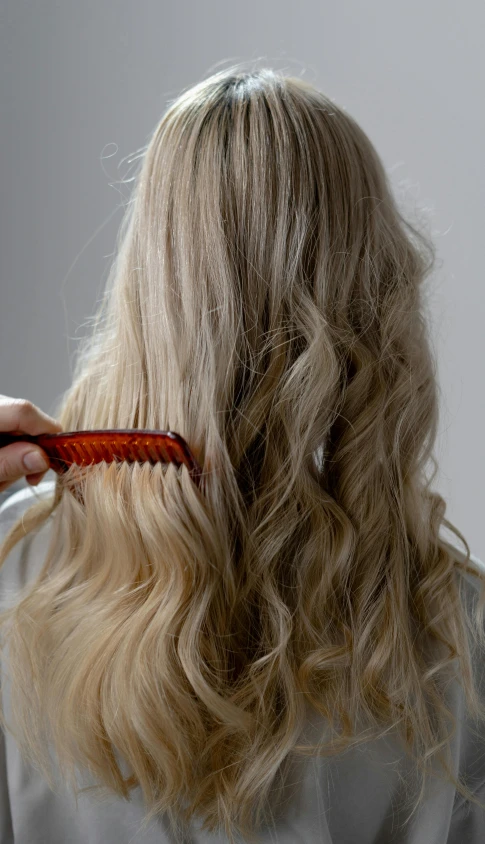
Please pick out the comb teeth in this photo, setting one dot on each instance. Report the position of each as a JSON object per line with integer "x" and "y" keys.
{"x": 152, "y": 451}
{"x": 131, "y": 444}
{"x": 143, "y": 453}
{"x": 87, "y": 447}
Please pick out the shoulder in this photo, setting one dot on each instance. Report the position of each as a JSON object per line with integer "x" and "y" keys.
{"x": 20, "y": 501}
{"x": 26, "y": 495}
{"x": 473, "y": 578}
{"x": 28, "y": 554}
{"x": 23, "y": 498}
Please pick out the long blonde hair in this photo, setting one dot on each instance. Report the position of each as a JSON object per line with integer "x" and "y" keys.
{"x": 266, "y": 303}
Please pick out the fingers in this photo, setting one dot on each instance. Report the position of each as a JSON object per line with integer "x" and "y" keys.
{"x": 33, "y": 480}
{"x": 18, "y": 416}
{"x": 22, "y": 416}
{"x": 18, "y": 460}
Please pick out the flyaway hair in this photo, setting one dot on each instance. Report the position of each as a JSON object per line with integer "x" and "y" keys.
{"x": 266, "y": 302}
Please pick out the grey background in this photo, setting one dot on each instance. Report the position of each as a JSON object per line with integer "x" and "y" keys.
{"x": 83, "y": 84}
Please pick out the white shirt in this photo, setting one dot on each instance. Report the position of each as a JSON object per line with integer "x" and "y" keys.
{"x": 357, "y": 798}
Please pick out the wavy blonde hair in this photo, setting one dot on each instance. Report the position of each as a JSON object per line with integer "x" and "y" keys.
{"x": 265, "y": 302}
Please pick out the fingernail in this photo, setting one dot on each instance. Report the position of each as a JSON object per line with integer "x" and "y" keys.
{"x": 34, "y": 462}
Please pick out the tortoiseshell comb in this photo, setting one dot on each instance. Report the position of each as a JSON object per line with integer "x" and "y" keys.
{"x": 131, "y": 444}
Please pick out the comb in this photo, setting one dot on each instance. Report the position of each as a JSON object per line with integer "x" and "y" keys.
{"x": 132, "y": 445}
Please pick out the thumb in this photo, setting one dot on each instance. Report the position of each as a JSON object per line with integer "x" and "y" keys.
{"x": 20, "y": 459}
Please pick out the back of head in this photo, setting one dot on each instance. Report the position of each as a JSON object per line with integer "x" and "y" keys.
{"x": 266, "y": 304}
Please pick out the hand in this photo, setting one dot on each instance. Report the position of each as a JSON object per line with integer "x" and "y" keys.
{"x": 19, "y": 416}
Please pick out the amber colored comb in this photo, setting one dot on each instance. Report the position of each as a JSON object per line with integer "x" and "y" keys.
{"x": 131, "y": 444}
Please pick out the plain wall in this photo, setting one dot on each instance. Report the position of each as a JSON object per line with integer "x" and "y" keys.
{"x": 82, "y": 85}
